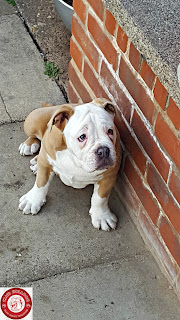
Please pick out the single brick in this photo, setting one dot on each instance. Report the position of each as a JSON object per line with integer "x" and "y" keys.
{"x": 150, "y": 146}
{"x": 102, "y": 41}
{"x": 93, "y": 82}
{"x": 80, "y": 9}
{"x": 134, "y": 57}
{"x": 170, "y": 238}
{"x": 85, "y": 43}
{"x": 122, "y": 39}
{"x": 98, "y": 7}
{"x": 133, "y": 148}
{"x": 73, "y": 98}
{"x": 110, "y": 22}
{"x": 168, "y": 139}
{"x": 76, "y": 54}
{"x": 175, "y": 185}
{"x": 158, "y": 247}
{"x": 78, "y": 84}
{"x": 113, "y": 87}
{"x": 143, "y": 194}
{"x": 174, "y": 113}
{"x": 136, "y": 90}
{"x": 163, "y": 195}
{"x": 160, "y": 94}
{"x": 147, "y": 74}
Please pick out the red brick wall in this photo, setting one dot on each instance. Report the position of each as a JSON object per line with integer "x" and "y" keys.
{"x": 105, "y": 63}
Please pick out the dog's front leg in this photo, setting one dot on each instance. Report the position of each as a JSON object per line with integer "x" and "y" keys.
{"x": 101, "y": 216}
{"x": 32, "y": 201}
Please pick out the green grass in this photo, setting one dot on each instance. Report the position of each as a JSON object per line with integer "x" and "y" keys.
{"x": 11, "y": 2}
{"x": 51, "y": 70}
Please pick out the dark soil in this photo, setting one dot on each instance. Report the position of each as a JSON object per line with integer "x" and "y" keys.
{"x": 70, "y": 2}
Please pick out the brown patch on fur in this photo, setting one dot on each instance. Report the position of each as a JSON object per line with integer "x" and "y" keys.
{"x": 47, "y": 124}
{"x": 109, "y": 177}
{"x": 53, "y": 141}
{"x": 44, "y": 169}
{"x": 36, "y": 122}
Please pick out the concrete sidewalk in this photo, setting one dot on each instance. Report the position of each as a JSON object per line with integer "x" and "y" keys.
{"x": 76, "y": 271}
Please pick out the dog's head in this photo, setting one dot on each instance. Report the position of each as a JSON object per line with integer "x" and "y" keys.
{"x": 90, "y": 135}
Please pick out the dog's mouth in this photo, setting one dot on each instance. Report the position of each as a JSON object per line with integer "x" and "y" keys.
{"x": 105, "y": 164}
{"x": 100, "y": 166}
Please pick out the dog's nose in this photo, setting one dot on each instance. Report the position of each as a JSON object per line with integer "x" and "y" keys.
{"x": 103, "y": 152}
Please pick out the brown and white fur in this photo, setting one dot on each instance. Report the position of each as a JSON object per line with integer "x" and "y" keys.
{"x": 81, "y": 144}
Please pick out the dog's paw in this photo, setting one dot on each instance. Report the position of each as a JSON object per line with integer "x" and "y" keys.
{"x": 28, "y": 150}
{"x": 33, "y": 165}
{"x": 104, "y": 221}
{"x": 32, "y": 201}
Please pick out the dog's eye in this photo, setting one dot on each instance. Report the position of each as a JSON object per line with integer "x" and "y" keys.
{"x": 110, "y": 131}
{"x": 82, "y": 138}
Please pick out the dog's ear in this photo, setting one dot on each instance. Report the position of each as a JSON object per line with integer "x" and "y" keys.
{"x": 61, "y": 117}
{"x": 106, "y": 104}
{"x": 109, "y": 107}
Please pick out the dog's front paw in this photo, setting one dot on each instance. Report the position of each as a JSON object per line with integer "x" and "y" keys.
{"x": 105, "y": 221}
{"x": 32, "y": 201}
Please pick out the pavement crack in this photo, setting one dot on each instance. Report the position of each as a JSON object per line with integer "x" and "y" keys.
{"x": 62, "y": 272}
{"x": 5, "y": 107}
{"x": 11, "y": 122}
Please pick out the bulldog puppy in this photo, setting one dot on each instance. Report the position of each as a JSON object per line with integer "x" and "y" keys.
{"x": 81, "y": 144}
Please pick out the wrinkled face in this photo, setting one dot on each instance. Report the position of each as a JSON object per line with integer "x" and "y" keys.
{"x": 90, "y": 136}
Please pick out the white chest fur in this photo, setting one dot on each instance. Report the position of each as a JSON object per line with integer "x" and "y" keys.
{"x": 69, "y": 168}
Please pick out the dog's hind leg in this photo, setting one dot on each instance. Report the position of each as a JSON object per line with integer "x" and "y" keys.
{"x": 33, "y": 164}
{"x": 29, "y": 147}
